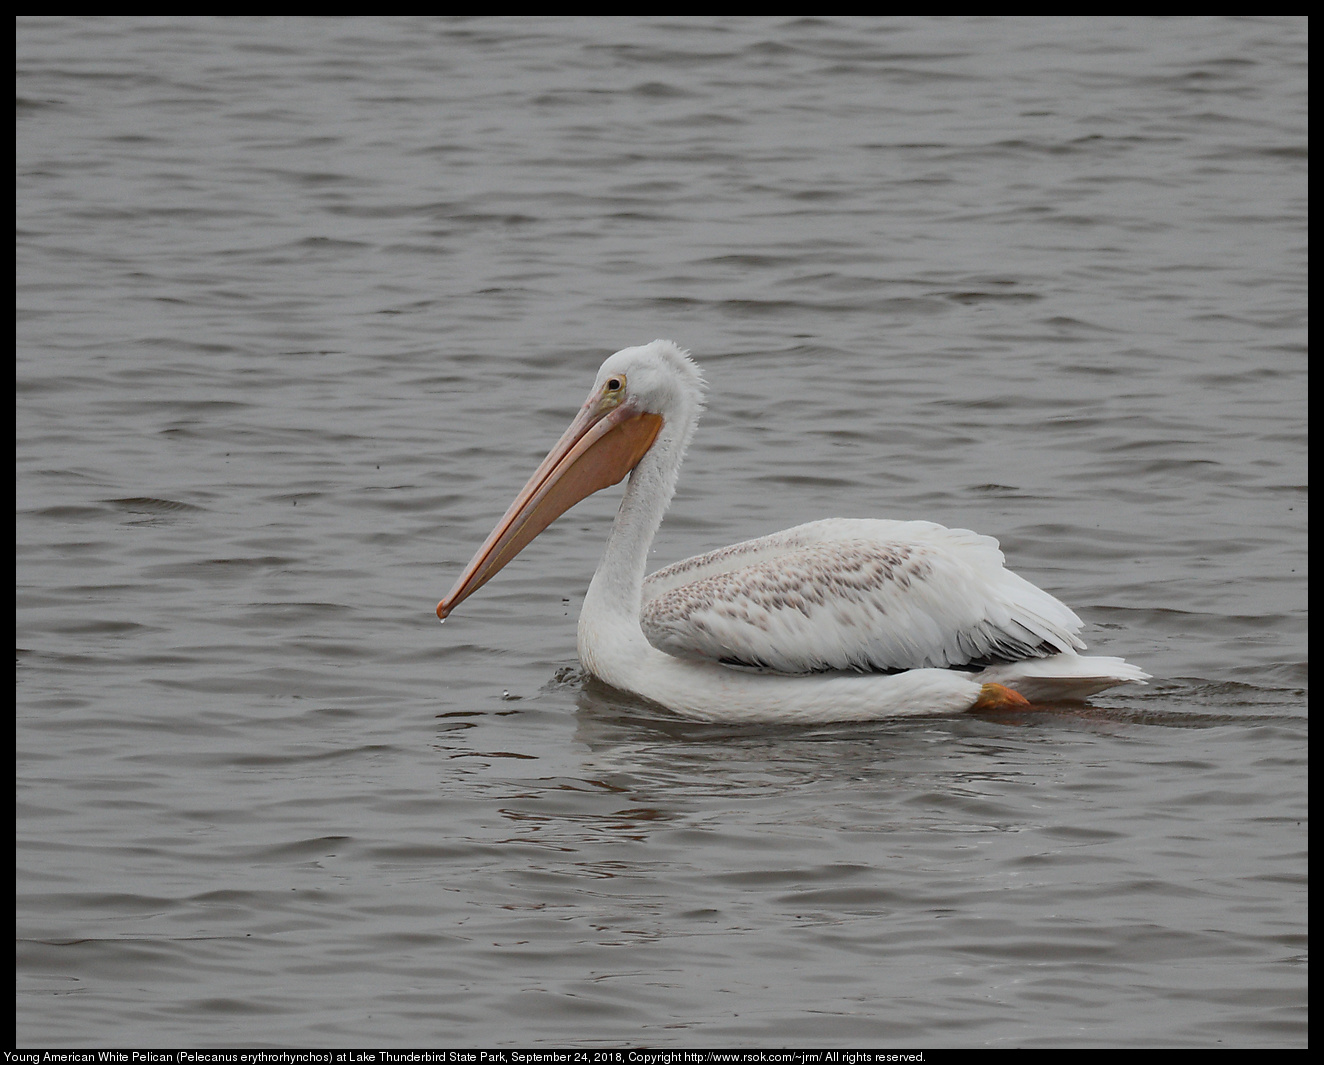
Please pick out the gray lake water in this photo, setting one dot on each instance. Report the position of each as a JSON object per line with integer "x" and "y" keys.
{"x": 301, "y": 303}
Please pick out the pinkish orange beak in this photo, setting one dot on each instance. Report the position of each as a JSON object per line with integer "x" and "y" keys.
{"x": 604, "y": 443}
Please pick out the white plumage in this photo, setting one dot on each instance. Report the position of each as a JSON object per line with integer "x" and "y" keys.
{"x": 860, "y": 594}
{"x": 834, "y": 620}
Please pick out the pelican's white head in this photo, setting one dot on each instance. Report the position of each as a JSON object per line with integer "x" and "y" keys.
{"x": 659, "y": 378}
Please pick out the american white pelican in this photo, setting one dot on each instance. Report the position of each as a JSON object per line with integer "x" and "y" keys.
{"x": 842, "y": 619}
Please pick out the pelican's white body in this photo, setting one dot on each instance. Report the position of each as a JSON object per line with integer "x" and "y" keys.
{"x": 844, "y": 619}
{"x": 735, "y": 633}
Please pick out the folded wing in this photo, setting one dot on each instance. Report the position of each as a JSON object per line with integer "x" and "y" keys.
{"x": 854, "y": 594}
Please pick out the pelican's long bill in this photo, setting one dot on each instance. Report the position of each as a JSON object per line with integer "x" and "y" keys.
{"x": 604, "y": 443}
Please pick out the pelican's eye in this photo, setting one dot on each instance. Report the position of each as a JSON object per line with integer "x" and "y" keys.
{"x": 612, "y": 394}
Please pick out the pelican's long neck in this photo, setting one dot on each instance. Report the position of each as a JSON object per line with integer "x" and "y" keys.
{"x": 618, "y": 583}
{"x": 609, "y": 631}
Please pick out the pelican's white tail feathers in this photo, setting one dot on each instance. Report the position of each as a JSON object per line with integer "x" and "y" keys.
{"x": 1064, "y": 677}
